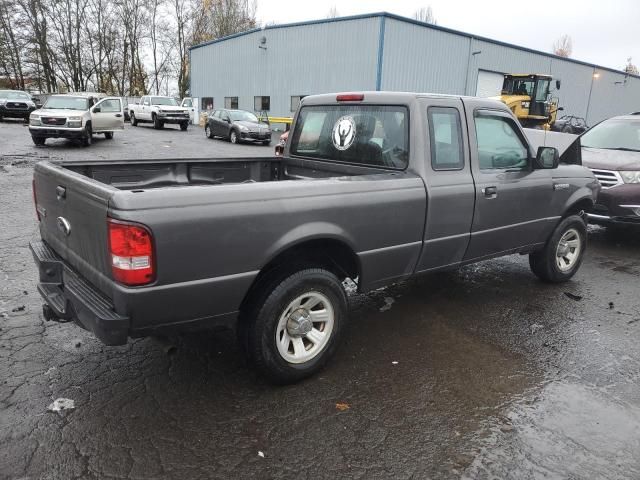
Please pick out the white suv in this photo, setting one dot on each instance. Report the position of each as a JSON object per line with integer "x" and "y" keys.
{"x": 76, "y": 116}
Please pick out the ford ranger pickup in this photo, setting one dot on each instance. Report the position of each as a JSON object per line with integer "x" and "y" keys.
{"x": 376, "y": 187}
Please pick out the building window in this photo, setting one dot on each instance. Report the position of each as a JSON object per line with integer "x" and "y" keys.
{"x": 262, "y": 104}
{"x": 231, "y": 103}
{"x": 295, "y": 101}
{"x": 206, "y": 103}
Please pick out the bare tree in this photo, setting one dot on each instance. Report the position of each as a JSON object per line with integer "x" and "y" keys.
{"x": 333, "y": 12}
{"x": 425, "y": 15}
{"x": 630, "y": 67}
{"x": 563, "y": 46}
{"x": 220, "y": 18}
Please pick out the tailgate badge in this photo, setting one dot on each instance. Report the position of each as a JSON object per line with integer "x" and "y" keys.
{"x": 64, "y": 226}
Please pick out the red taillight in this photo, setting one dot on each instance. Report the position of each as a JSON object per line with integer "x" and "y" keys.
{"x": 131, "y": 250}
{"x": 35, "y": 198}
{"x": 350, "y": 97}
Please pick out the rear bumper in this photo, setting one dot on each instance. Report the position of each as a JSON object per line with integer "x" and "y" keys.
{"x": 73, "y": 298}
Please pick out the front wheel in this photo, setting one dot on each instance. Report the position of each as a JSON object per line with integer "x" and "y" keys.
{"x": 184, "y": 126}
{"x": 233, "y": 137}
{"x": 133, "y": 119}
{"x": 157, "y": 124}
{"x": 294, "y": 324}
{"x": 88, "y": 136}
{"x": 207, "y": 131}
{"x": 108, "y": 135}
{"x": 562, "y": 255}
{"x": 38, "y": 140}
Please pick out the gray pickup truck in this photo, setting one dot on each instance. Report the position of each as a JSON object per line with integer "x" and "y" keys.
{"x": 376, "y": 187}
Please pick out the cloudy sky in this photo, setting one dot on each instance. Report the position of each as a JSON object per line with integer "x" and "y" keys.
{"x": 603, "y": 32}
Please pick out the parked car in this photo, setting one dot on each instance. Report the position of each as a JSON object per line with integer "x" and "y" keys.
{"x": 570, "y": 124}
{"x": 159, "y": 111}
{"x": 16, "y": 104}
{"x": 611, "y": 149}
{"x": 265, "y": 243}
{"x": 76, "y": 116}
{"x": 237, "y": 126}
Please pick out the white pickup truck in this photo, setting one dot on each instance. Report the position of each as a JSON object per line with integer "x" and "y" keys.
{"x": 159, "y": 111}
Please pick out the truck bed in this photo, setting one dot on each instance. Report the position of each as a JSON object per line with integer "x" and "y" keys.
{"x": 149, "y": 174}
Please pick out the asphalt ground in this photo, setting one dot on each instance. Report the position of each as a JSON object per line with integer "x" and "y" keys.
{"x": 484, "y": 372}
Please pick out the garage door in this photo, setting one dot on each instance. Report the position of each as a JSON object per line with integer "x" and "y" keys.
{"x": 489, "y": 84}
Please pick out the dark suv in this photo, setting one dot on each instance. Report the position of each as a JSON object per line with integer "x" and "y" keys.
{"x": 611, "y": 149}
{"x": 16, "y": 104}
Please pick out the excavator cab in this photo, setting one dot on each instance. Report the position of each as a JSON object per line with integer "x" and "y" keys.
{"x": 528, "y": 96}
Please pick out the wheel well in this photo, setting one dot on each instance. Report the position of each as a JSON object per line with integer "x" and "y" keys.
{"x": 332, "y": 255}
{"x": 584, "y": 205}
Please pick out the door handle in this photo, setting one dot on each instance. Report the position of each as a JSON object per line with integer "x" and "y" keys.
{"x": 118, "y": 114}
{"x": 490, "y": 192}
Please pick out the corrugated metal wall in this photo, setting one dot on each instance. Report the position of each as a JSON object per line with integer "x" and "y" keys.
{"x": 299, "y": 60}
{"x": 342, "y": 55}
{"x": 419, "y": 59}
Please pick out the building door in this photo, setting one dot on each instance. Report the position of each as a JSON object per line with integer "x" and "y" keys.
{"x": 489, "y": 84}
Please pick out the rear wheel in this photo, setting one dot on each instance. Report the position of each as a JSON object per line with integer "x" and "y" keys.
{"x": 133, "y": 119}
{"x": 88, "y": 136}
{"x": 562, "y": 255}
{"x": 207, "y": 131}
{"x": 38, "y": 140}
{"x": 293, "y": 325}
{"x": 184, "y": 126}
{"x": 233, "y": 136}
{"x": 108, "y": 135}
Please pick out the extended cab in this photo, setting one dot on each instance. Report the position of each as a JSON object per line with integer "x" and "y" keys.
{"x": 76, "y": 116}
{"x": 376, "y": 187}
{"x": 159, "y": 111}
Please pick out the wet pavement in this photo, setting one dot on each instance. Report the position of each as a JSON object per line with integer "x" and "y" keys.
{"x": 479, "y": 373}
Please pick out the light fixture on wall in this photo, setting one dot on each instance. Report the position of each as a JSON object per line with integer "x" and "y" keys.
{"x": 596, "y": 75}
{"x": 263, "y": 40}
{"x": 477, "y": 52}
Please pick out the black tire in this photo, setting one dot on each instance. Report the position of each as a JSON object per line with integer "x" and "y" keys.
{"x": 184, "y": 126}
{"x": 157, "y": 124}
{"x": 266, "y": 142}
{"x": 233, "y": 137}
{"x": 207, "y": 131}
{"x": 134, "y": 120}
{"x": 544, "y": 263}
{"x": 108, "y": 135}
{"x": 38, "y": 140}
{"x": 260, "y": 317}
{"x": 87, "y": 140}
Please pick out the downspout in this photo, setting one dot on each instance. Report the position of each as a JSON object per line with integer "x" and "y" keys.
{"x": 380, "y": 52}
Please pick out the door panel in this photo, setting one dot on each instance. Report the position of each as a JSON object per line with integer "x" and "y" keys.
{"x": 513, "y": 205}
{"x": 450, "y": 187}
{"x": 110, "y": 116}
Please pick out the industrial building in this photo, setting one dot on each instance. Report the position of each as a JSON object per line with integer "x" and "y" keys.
{"x": 270, "y": 69}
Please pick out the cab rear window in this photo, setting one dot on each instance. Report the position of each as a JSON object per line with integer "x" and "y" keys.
{"x": 369, "y": 135}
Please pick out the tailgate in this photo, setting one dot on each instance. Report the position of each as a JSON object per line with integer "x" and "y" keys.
{"x": 73, "y": 220}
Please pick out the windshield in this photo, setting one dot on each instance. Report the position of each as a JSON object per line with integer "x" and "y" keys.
{"x": 14, "y": 95}
{"x": 163, "y": 101}
{"x": 67, "y": 102}
{"x": 515, "y": 86}
{"x": 614, "y": 134}
{"x": 363, "y": 134}
{"x": 242, "y": 116}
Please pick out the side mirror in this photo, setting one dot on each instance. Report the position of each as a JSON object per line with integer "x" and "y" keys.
{"x": 557, "y": 84}
{"x": 96, "y": 110}
{"x": 547, "y": 157}
{"x": 228, "y": 120}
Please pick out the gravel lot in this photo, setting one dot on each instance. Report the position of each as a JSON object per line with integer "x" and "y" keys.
{"x": 480, "y": 373}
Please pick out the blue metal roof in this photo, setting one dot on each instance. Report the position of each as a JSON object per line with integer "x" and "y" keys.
{"x": 414, "y": 22}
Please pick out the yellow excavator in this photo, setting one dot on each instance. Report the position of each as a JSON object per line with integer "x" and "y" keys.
{"x": 528, "y": 97}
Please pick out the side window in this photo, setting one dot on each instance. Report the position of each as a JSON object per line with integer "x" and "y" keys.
{"x": 499, "y": 145}
{"x": 225, "y": 116}
{"x": 145, "y": 101}
{"x": 110, "y": 106}
{"x": 445, "y": 132}
{"x": 187, "y": 103}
